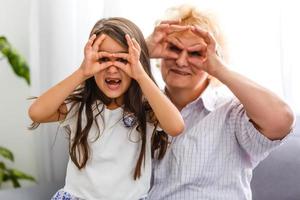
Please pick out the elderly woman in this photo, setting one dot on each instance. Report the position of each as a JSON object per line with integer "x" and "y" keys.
{"x": 224, "y": 138}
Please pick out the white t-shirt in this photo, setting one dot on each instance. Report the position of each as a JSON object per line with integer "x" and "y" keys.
{"x": 108, "y": 173}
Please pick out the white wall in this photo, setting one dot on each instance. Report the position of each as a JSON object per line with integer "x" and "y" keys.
{"x": 14, "y": 20}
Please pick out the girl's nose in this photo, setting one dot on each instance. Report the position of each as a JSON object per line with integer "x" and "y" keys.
{"x": 112, "y": 69}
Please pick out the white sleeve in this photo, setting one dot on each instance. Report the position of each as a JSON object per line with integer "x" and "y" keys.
{"x": 71, "y": 118}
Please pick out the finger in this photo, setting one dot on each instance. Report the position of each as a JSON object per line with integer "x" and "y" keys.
{"x": 105, "y": 65}
{"x": 175, "y": 42}
{"x": 212, "y": 39}
{"x": 162, "y": 26}
{"x": 166, "y": 53}
{"x": 176, "y": 21}
{"x": 129, "y": 42}
{"x": 201, "y": 33}
{"x": 198, "y": 47}
{"x": 170, "y": 55}
{"x": 121, "y": 55}
{"x": 197, "y": 62}
{"x": 119, "y": 64}
{"x": 208, "y": 38}
{"x": 178, "y": 28}
{"x": 98, "y": 42}
{"x": 219, "y": 51}
{"x": 90, "y": 41}
{"x": 124, "y": 67}
{"x": 136, "y": 45}
{"x": 102, "y": 54}
{"x": 194, "y": 62}
{"x": 171, "y": 28}
{"x": 132, "y": 48}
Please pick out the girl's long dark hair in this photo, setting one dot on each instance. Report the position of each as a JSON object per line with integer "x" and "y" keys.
{"x": 88, "y": 94}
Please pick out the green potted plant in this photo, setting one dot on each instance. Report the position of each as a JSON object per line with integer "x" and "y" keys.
{"x": 16, "y": 61}
{"x": 11, "y": 174}
{"x": 21, "y": 69}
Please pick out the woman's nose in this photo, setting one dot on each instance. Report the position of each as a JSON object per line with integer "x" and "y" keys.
{"x": 181, "y": 61}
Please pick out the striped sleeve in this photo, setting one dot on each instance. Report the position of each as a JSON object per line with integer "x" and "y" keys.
{"x": 255, "y": 144}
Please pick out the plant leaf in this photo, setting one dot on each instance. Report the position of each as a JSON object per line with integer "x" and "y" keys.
{"x": 1, "y": 176}
{"x": 16, "y": 61}
{"x": 15, "y": 175}
{"x": 6, "y": 177}
{"x": 4, "y": 152}
{"x": 2, "y": 166}
{"x": 21, "y": 175}
{"x": 15, "y": 182}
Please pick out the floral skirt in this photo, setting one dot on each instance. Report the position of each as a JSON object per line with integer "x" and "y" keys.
{"x": 63, "y": 195}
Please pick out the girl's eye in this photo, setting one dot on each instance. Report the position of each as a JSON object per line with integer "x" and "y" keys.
{"x": 104, "y": 59}
{"x": 195, "y": 53}
{"x": 174, "y": 48}
{"x": 122, "y": 60}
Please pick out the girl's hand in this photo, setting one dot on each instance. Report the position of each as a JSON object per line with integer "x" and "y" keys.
{"x": 157, "y": 43}
{"x": 92, "y": 57}
{"x": 207, "y": 57}
{"x": 130, "y": 63}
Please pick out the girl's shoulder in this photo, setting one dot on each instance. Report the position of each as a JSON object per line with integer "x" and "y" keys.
{"x": 76, "y": 108}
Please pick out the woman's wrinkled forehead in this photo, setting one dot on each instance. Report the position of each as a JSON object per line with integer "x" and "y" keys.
{"x": 186, "y": 38}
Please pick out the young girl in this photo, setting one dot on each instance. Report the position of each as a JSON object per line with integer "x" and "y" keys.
{"x": 111, "y": 107}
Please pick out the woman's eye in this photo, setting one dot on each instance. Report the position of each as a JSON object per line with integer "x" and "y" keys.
{"x": 122, "y": 60}
{"x": 103, "y": 59}
{"x": 195, "y": 53}
{"x": 174, "y": 49}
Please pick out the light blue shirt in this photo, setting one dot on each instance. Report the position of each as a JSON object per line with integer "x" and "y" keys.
{"x": 214, "y": 157}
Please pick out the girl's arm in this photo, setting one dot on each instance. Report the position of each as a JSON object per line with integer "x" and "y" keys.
{"x": 50, "y": 106}
{"x": 169, "y": 117}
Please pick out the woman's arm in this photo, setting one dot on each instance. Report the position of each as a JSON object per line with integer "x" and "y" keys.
{"x": 269, "y": 114}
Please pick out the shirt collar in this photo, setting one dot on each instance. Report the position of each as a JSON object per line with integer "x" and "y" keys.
{"x": 211, "y": 98}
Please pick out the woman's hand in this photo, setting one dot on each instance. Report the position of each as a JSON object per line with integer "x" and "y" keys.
{"x": 209, "y": 56}
{"x": 157, "y": 43}
{"x": 92, "y": 57}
